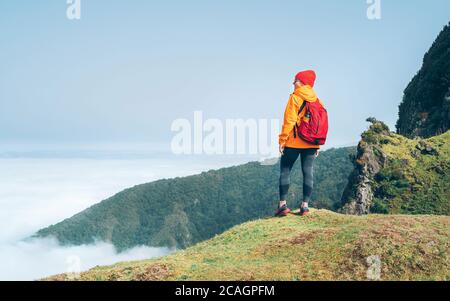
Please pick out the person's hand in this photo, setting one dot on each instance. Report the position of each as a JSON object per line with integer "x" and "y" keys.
{"x": 282, "y": 150}
{"x": 317, "y": 153}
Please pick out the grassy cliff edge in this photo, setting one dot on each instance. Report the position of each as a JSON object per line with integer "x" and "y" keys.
{"x": 322, "y": 246}
{"x": 397, "y": 175}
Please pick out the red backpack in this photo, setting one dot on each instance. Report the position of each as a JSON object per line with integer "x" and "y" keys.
{"x": 313, "y": 127}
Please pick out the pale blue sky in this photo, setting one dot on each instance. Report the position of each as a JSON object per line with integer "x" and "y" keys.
{"x": 127, "y": 69}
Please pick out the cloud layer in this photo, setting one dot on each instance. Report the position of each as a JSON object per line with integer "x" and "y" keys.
{"x": 37, "y": 192}
{"x": 35, "y": 259}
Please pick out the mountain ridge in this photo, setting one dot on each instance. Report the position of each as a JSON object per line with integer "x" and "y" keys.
{"x": 182, "y": 211}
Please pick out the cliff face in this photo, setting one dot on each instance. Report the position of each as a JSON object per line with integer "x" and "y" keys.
{"x": 394, "y": 174}
{"x": 358, "y": 195}
{"x": 425, "y": 109}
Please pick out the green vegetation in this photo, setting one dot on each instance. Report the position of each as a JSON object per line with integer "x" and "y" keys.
{"x": 180, "y": 212}
{"x": 416, "y": 175}
{"x": 425, "y": 109}
{"x": 321, "y": 246}
{"x": 397, "y": 175}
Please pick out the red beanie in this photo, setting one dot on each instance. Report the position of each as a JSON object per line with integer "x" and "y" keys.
{"x": 307, "y": 77}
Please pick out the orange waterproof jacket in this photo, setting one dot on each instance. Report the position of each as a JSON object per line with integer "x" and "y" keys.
{"x": 291, "y": 117}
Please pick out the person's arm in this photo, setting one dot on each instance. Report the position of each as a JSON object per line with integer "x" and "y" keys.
{"x": 290, "y": 119}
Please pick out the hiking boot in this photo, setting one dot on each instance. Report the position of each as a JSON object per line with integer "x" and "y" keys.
{"x": 304, "y": 211}
{"x": 282, "y": 211}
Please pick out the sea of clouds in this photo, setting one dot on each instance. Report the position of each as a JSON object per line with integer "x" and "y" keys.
{"x": 37, "y": 191}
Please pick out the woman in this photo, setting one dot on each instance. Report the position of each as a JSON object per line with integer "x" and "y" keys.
{"x": 292, "y": 146}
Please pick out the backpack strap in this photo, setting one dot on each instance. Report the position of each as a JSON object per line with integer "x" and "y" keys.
{"x": 299, "y": 111}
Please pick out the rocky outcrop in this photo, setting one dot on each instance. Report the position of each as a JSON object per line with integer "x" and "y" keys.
{"x": 370, "y": 159}
{"x": 397, "y": 175}
{"x": 426, "y": 149}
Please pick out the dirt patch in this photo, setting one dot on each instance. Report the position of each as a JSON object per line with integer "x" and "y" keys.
{"x": 305, "y": 237}
{"x": 155, "y": 272}
{"x": 274, "y": 247}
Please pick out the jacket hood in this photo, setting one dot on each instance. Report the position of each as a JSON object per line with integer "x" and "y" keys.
{"x": 306, "y": 93}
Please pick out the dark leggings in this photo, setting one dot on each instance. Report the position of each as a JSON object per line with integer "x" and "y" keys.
{"x": 287, "y": 162}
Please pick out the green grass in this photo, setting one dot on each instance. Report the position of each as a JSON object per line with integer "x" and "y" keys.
{"x": 321, "y": 246}
{"x": 414, "y": 182}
